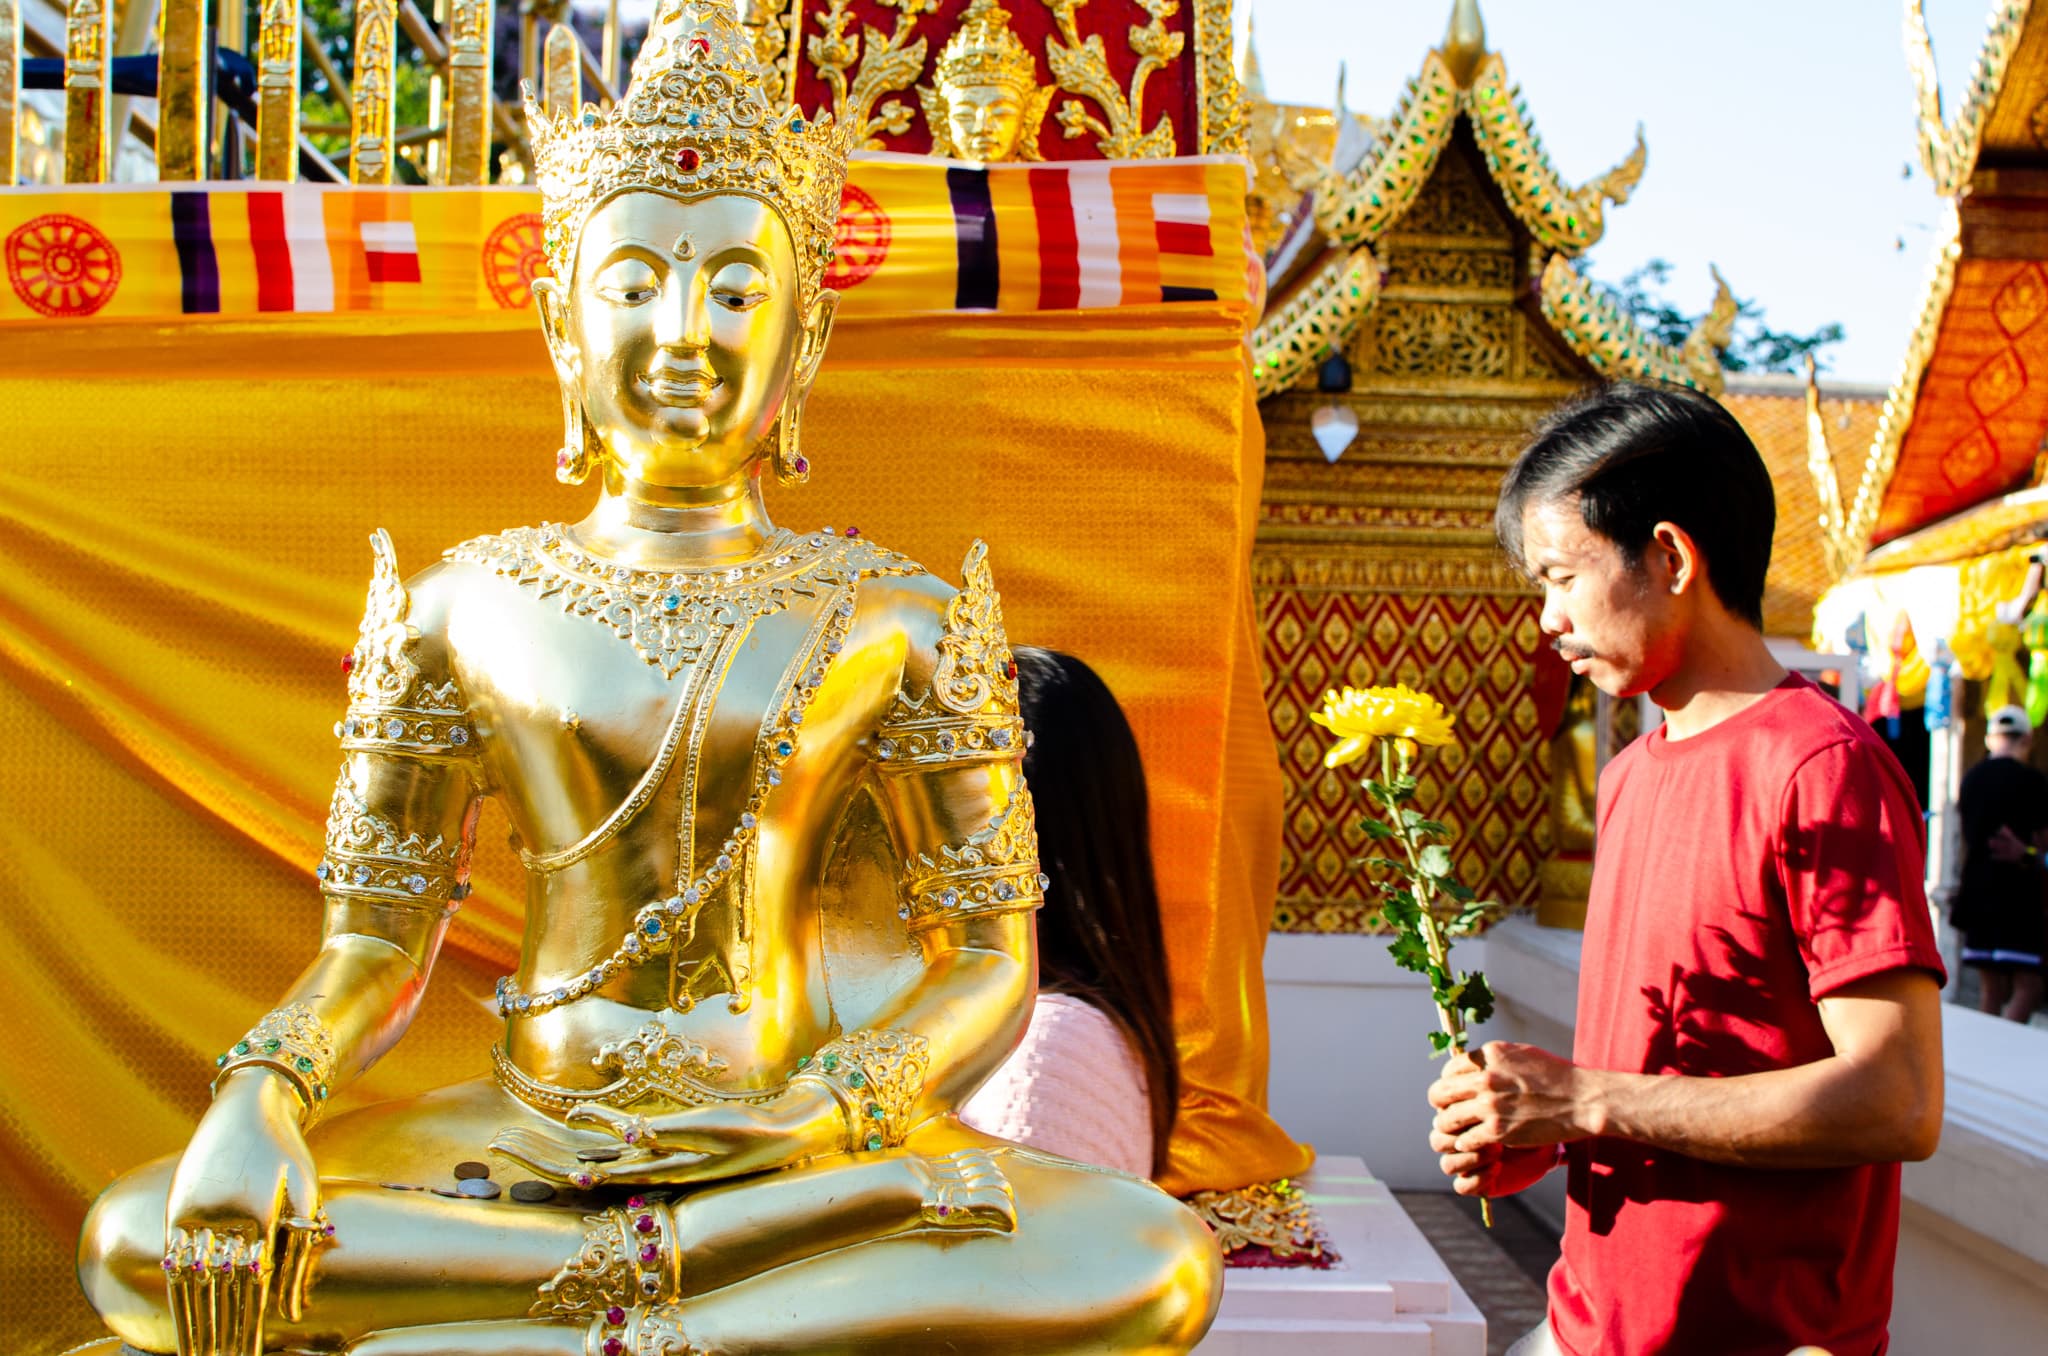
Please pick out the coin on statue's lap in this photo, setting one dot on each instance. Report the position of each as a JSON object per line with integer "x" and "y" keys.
{"x": 478, "y": 1188}
{"x": 532, "y": 1192}
{"x": 469, "y": 1169}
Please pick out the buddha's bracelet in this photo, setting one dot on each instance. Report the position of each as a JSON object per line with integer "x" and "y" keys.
{"x": 293, "y": 1041}
{"x": 876, "y": 1077}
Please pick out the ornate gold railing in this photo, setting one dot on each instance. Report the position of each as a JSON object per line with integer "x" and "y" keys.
{"x": 194, "y": 132}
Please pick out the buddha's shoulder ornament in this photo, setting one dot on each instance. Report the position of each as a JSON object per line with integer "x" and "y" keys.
{"x": 395, "y": 705}
{"x": 969, "y": 712}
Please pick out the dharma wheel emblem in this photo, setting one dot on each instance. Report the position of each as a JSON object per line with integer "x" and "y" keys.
{"x": 60, "y": 265}
{"x": 513, "y": 257}
{"x": 861, "y": 241}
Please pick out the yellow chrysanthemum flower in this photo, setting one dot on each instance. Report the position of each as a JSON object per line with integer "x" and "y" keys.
{"x": 1358, "y": 717}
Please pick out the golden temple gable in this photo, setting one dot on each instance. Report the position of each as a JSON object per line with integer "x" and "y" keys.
{"x": 1426, "y": 308}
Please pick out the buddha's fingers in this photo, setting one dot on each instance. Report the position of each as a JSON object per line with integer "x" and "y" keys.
{"x": 178, "y": 1288}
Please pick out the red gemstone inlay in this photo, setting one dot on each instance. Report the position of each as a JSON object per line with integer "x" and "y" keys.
{"x": 645, "y": 1224}
{"x": 701, "y": 44}
{"x": 635, "y": 1202}
{"x": 613, "y": 1346}
{"x": 688, "y": 159}
{"x": 615, "y": 1315}
{"x": 348, "y": 663}
{"x": 649, "y": 1253}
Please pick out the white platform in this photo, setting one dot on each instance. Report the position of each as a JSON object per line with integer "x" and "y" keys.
{"x": 1388, "y": 1295}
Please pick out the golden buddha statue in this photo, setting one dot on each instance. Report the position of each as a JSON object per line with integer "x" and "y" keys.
{"x": 781, "y": 868}
{"x": 985, "y": 102}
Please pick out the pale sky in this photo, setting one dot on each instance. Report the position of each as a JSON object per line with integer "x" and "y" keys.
{"x": 1778, "y": 130}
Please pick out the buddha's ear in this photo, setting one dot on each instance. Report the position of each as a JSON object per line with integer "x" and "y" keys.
{"x": 817, "y": 332}
{"x": 551, "y": 301}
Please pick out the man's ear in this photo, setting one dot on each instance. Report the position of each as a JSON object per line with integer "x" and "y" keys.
{"x": 551, "y": 302}
{"x": 1673, "y": 559}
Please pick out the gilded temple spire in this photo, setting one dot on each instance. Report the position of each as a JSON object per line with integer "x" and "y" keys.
{"x": 1464, "y": 41}
{"x": 1252, "y": 78}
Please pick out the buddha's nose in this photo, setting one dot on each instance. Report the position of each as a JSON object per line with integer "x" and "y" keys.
{"x": 683, "y": 312}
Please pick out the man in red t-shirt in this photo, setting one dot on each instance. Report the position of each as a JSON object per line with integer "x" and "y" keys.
{"x": 1759, "y": 1026}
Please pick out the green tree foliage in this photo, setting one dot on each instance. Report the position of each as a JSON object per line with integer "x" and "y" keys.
{"x": 1756, "y": 348}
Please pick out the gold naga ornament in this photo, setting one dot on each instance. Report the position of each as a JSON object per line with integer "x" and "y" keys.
{"x": 780, "y": 862}
{"x": 985, "y": 102}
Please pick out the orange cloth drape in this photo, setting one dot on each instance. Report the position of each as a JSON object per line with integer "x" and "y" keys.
{"x": 186, "y": 512}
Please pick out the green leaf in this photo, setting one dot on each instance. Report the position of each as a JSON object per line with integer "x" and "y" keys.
{"x": 1461, "y": 893}
{"x": 1431, "y": 826}
{"x": 1435, "y": 861}
{"x": 1372, "y": 828}
{"x": 1409, "y": 953}
{"x": 1476, "y": 999}
{"x": 1440, "y": 1042}
{"x": 1387, "y": 864}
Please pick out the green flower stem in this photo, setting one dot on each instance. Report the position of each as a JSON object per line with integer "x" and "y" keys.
{"x": 1426, "y": 896}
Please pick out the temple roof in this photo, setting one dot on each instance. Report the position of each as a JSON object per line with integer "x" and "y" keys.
{"x": 1774, "y": 410}
{"x": 1967, "y": 412}
{"x": 1317, "y": 294}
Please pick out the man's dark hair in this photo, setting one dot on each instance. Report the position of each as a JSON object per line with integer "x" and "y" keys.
{"x": 1635, "y": 454}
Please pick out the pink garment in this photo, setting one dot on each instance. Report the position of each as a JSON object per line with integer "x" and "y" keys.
{"x": 1075, "y": 1088}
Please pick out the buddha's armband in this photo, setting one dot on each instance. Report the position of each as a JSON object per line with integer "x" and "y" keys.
{"x": 877, "y": 1078}
{"x": 399, "y": 826}
{"x": 291, "y": 1041}
{"x": 994, "y": 871}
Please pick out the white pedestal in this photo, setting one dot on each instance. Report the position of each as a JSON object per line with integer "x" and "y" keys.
{"x": 1388, "y": 1295}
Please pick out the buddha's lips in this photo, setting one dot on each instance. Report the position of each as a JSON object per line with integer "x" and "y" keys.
{"x": 687, "y": 390}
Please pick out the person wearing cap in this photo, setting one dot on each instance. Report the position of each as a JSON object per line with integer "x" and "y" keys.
{"x": 1999, "y": 908}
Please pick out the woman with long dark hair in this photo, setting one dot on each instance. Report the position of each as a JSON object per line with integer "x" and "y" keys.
{"x": 1097, "y": 1077}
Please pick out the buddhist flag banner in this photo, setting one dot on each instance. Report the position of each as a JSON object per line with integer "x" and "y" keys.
{"x": 916, "y": 235}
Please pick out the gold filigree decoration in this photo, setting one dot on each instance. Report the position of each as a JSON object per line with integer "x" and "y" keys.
{"x": 629, "y": 1256}
{"x": 369, "y": 857}
{"x": 1276, "y": 1216}
{"x": 976, "y": 674}
{"x": 892, "y": 63}
{"x": 672, "y": 617}
{"x": 1321, "y": 316}
{"x": 1564, "y": 219}
{"x": 768, "y": 24}
{"x": 1587, "y": 317}
{"x": 1899, "y": 404}
{"x": 1357, "y": 208}
{"x": 1948, "y": 148}
{"x": 1427, "y": 338}
{"x": 994, "y": 872}
{"x": 1226, "y": 114}
{"x": 373, "y": 100}
{"x": 1081, "y": 66}
{"x": 695, "y": 119}
{"x": 984, "y": 53}
{"x": 877, "y": 1077}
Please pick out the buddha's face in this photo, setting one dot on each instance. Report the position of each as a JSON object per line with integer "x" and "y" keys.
{"x": 684, "y": 335}
{"x": 985, "y": 120}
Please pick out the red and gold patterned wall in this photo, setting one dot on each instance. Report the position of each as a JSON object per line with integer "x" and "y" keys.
{"x": 1381, "y": 567}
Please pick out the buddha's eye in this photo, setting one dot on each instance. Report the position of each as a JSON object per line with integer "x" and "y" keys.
{"x": 628, "y": 282}
{"x": 739, "y": 287}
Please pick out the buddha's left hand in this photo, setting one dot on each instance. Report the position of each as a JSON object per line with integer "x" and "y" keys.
{"x": 704, "y": 1143}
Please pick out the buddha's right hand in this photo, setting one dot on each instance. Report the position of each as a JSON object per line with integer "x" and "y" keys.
{"x": 237, "y": 1220}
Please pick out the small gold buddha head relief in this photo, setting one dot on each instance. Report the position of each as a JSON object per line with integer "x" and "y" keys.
{"x": 985, "y": 102}
{"x": 688, "y": 231}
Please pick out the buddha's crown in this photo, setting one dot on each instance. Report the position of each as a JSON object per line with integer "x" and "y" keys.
{"x": 984, "y": 51}
{"x": 694, "y": 120}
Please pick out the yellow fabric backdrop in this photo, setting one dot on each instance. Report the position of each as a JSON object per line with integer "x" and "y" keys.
{"x": 186, "y": 514}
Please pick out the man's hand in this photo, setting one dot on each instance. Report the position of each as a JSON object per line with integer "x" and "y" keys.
{"x": 2006, "y": 846}
{"x": 1493, "y": 1170}
{"x": 1510, "y": 1095}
